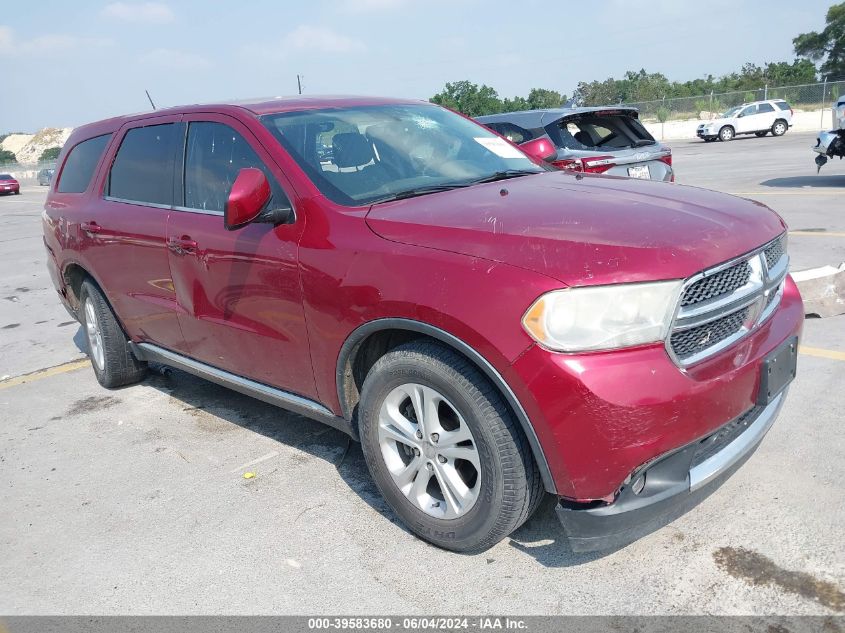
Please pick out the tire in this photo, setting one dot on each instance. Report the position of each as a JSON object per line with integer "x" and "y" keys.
{"x": 113, "y": 361}
{"x": 499, "y": 480}
{"x": 18, "y": 192}
{"x": 761, "y": 133}
{"x": 779, "y": 128}
{"x": 726, "y": 133}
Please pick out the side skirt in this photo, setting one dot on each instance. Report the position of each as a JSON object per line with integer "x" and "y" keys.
{"x": 285, "y": 400}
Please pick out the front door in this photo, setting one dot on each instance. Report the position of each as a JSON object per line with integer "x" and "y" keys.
{"x": 239, "y": 291}
{"x": 747, "y": 120}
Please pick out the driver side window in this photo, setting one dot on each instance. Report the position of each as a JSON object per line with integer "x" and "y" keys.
{"x": 752, "y": 109}
{"x": 214, "y": 154}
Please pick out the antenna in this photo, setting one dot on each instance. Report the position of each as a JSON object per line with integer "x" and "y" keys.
{"x": 150, "y": 98}
{"x": 299, "y": 83}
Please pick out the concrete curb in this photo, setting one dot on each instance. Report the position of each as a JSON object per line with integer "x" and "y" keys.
{"x": 823, "y": 290}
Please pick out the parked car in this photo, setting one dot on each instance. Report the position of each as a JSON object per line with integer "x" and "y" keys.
{"x": 491, "y": 329}
{"x": 831, "y": 144}
{"x": 45, "y": 176}
{"x": 608, "y": 140}
{"x": 9, "y": 185}
{"x": 758, "y": 118}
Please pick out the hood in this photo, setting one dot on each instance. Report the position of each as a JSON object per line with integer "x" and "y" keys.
{"x": 583, "y": 229}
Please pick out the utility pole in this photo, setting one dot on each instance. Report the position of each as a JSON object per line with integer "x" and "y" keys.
{"x": 299, "y": 83}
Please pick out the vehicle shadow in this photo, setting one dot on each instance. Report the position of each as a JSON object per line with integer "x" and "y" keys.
{"x": 541, "y": 537}
{"x": 794, "y": 182}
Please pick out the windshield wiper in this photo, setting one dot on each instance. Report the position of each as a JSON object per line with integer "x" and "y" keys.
{"x": 504, "y": 175}
{"x": 419, "y": 191}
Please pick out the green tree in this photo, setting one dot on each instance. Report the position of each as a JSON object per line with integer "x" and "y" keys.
{"x": 6, "y": 156}
{"x": 663, "y": 114}
{"x": 469, "y": 98}
{"x": 540, "y": 98}
{"x": 51, "y": 153}
{"x": 829, "y": 44}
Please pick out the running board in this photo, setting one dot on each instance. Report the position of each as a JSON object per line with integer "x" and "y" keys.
{"x": 265, "y": 393}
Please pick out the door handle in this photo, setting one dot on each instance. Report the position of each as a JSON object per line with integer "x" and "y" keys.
{"x": 91, "y": 227}
{"x": 182, "y": 245}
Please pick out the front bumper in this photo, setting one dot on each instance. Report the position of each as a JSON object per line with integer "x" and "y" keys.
{"x": 672, "y": 485}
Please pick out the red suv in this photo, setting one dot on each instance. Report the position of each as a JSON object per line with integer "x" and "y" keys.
{"x": 489, "y": 328}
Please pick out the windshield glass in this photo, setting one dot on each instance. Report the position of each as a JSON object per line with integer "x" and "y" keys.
{"x": 731, "y": 112}
{"x": 361, "y": 155}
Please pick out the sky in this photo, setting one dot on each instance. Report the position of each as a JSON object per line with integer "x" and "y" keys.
{"x": 67, "y": 63}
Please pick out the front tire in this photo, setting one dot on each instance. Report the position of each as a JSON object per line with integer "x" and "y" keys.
{"x": 444, "y": 449}
{"x": 779, "y": 128}
{"x": 113, "y": 361}
{"x": 726, "y": 133}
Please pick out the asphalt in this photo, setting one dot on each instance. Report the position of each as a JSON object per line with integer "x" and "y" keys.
{"x": 134, "y": 502}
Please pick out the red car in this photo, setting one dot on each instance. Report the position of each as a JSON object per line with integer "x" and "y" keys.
{"x": 489, "y": 328}
{"x": 9, "y": 185}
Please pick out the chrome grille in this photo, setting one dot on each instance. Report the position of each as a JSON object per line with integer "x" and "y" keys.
{"x": 774, "y": 252}
{"x": 687, "y": 343}
{"x": 721, "y": 283}
{"x": 720, "y": 306}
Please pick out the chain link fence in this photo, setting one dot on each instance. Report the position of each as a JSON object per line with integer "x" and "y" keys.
{"x": 27, "y": 173}
{"x": 808, "y": 97}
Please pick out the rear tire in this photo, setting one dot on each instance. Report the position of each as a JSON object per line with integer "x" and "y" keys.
{"x": 726, "y": 133}
{"x": 111, "y": 357}
{"x": 761, "y": 133}
{"x": 779, "y": 128}
{"x": 475, "y": 439}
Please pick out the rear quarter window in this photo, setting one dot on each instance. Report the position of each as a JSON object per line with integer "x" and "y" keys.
{"x": 142, "y": 171}
{"x": 514, "y": 133}
{"x": 81, "y": 163}
{"x": 783, "y": 105}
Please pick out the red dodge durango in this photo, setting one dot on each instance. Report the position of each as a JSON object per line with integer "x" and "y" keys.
{"x": 490, "y": 329}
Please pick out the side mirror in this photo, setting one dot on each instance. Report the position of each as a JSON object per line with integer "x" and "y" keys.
{"x": 250, "y": 192}
{"x": 540, "y": 149}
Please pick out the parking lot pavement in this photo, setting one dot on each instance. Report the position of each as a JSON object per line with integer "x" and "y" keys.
{"x": 133, "y": 501}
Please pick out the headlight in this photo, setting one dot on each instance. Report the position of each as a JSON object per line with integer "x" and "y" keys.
{"x": 603, "y": 317}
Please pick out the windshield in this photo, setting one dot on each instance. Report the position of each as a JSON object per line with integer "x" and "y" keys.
{"x": 731, "y": 112}
{"x": 361, "y": 155}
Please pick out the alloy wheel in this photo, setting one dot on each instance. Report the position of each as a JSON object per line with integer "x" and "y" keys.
{"x": 95, "y": 335}
{"x": 429, "y": 450}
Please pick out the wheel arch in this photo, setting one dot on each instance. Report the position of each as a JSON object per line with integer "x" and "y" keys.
{"x": 370, "y": 341}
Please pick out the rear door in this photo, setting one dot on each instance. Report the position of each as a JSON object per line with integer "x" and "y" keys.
{"x": 123, "y": 233}
{"x": 239, "y": 291}
{"x": 766, "y": 115}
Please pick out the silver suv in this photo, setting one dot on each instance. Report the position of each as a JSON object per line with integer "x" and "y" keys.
{"x": 758, "y": 118}
{"x": 604, "y": 140}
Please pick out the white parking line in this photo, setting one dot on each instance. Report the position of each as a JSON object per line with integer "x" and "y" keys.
{"x": 263, "y": 458}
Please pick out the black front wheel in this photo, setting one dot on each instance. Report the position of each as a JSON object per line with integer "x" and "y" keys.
{"x": 445, "y": 450}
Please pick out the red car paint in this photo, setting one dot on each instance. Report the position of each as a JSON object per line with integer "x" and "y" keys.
{"x": 9, "y": 185}
{"x": 277, "y": 304}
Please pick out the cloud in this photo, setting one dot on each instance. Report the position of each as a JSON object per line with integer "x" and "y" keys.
{"x": 322, "y": 39}
{"x": 174, "y": 59}
{"x": 46, "y": 44}
{"x": 313, "y": 39}
{"x": 151, "y": 12}
{"x": 365, "y": 6}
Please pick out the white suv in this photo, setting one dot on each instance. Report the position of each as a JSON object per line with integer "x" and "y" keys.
{"x": 759, "y": 118}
